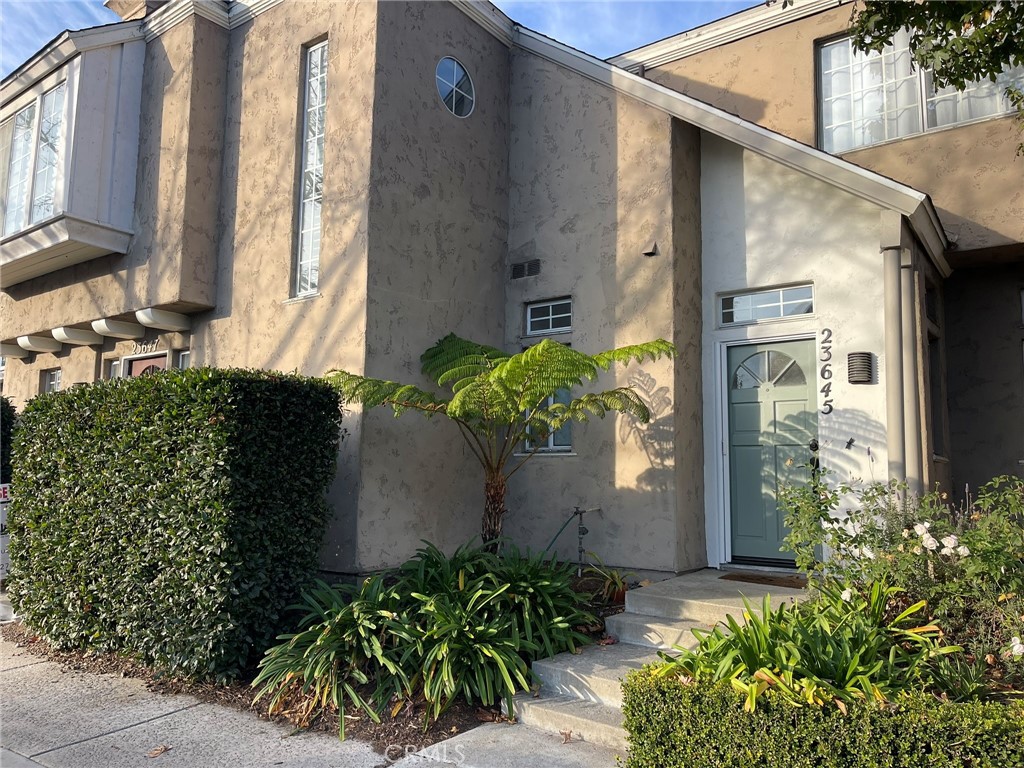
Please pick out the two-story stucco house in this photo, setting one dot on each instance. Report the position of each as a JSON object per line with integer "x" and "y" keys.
{"x": 315, "y": 185}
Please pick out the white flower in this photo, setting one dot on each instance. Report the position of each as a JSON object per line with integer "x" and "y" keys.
{"x": 906, "y": 533}
{"x": 963, "y": 551}
{"x": 847, "y": 594}
{"x": 950, "y": 541}
{"x": 1016, "y": 646}
{"x": 946, "y": 551}
{"x": 866, "y": 552}
{"x": 922, "y": 528}
{"x": 929, "y": 542}
{"x": 917, "y": 550}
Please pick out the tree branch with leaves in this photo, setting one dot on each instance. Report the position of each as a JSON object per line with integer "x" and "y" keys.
{"x": 499, "y": 400}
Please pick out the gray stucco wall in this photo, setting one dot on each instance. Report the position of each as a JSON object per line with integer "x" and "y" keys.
{"x": 437, "y": 228}
{"x": 985, "y": 363}
{"x": 591, "y": 189}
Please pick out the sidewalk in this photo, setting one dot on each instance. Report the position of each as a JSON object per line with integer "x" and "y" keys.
{"x": 74, "y": 719}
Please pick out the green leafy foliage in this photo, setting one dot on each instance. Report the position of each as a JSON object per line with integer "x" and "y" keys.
{"x": 842, "y": 648}
{"x": 7, "y": 419}
{"x": 966, "y": 562}
{"x": 497, "y": 398}
{"x": 171, "y": 516}
{"x": 439, "y": 627}
{"x": 674, "y": 724}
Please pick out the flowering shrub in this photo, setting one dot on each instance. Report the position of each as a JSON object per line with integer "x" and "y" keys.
{"x": 966, "y": 562}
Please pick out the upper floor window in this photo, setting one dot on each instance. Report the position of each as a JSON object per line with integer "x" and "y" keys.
{"x": 544, "y": 317}
{"x": 866, "y": 98}
{"x": 455, "y": 87}
{"x": 32, "y": 151}
{"x": 307, "y": 262}
{"x": 49, "y": 380}
{"x": 772, "y": 304}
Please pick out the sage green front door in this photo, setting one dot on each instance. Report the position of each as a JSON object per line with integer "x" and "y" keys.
{"x": 773, "y": 417}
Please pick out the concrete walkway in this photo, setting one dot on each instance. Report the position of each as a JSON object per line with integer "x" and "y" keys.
{"x": 67, "y": 719}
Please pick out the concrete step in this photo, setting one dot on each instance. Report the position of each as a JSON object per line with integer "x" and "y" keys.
{"x": 595, "y": 674}
{"x": 703, "y": 597}
{"x": 589, "y": 721}
{"x": 653, "y": 631}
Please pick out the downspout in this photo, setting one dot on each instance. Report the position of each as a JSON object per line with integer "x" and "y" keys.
{"x": 911, "y": 390}
{"x": 892, "y": 263}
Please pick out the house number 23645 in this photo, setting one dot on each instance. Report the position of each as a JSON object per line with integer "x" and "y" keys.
{"x": 825, "y": 358}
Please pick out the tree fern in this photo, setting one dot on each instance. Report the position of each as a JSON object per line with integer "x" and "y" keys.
{"x": 496, "y": 398}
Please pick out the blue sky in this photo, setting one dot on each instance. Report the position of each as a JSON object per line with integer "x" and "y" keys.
{"x": 601, "y": 28}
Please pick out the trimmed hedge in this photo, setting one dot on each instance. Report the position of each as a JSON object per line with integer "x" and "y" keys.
{"x": 7, "y": 417}
{"x": 174, "y": 516}
{"x": 672, "y": 725}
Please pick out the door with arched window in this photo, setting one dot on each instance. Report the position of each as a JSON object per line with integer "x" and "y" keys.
{"x": 772, "y": 417}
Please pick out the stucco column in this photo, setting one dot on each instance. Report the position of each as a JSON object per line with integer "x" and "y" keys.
{"x": 911, "y": 391}
{"x": 894, "y": 410}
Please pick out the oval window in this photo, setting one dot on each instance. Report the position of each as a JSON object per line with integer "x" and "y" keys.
{"x": 455, "y": 87}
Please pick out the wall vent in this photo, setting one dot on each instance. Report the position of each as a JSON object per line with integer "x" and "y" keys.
{"x": 529, "y": 268}
{"x": 860, "y": 368}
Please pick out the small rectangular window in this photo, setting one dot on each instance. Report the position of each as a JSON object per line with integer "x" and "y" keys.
{"x": 774, "y": 304}
{"x": 311, "y": 183}
{"x": 50, "y": 380}
{"x": 182, "y": 359}
{"x": 545, "y": 317}
{"x": 559, "y": 441}
{"x": 114, "y": 369}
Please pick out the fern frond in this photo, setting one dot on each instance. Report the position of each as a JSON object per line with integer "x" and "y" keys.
{"x": 651, "y": 350}
{"x": 454, "y": 359}
{"x": 374, "y": 392}
{"x": 593, "y": 404}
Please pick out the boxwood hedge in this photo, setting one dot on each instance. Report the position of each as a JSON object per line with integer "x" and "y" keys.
{"x": 671, "y": 725}
{"x": 173, "y": 516}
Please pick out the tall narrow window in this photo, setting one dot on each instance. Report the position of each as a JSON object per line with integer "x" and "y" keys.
{"x": 307, "y": 273}
{"x": 44, "y": 185}
{"x": 18, "y": 173}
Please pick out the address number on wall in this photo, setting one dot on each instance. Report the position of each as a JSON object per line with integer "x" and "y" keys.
{"x": 825, "y": 372}
{"x": 142, "y": 347}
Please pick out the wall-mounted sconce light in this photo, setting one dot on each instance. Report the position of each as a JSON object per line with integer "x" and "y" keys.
{"x": 860, "y": 367}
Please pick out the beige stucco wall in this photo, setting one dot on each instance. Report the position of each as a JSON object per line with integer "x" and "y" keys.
{"x": 591, "y": 189}
{"x": 770, "y": 78}
{"x": 764, "y": 225}
{"x": 255, "y": 324}
{"x": 169, "y": 261}
{"x": 437, "y": 231}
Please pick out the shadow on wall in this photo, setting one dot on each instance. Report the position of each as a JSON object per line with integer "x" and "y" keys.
{"x": 656, "y": 438}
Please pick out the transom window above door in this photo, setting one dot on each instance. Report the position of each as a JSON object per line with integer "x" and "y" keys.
{"x": 772, "y": 304}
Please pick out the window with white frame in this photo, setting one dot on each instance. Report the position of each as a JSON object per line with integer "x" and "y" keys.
{"x": 307, "y": 262}
{"x": 182, "y": 359}
{"x": 546, "y": 317}
{"x": 33, "y": 154}
{"x": 866, "y": 98}
{"x": 113, "y": 369}
{"x": 771, "y": 304}
{"x": 49, "y": 380}
{"x": 559, "y": 441}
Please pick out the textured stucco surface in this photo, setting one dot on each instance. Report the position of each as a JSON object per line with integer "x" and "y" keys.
{"x": 591, "y": 189}
{"x": 170, "y": 258}
{"x": 254, "y": 323}
{"x": 985, "y": 371}
{"x": 764, "y": 225}
{"x": 770, "y": 79}
{"x": 437, "y": 229}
